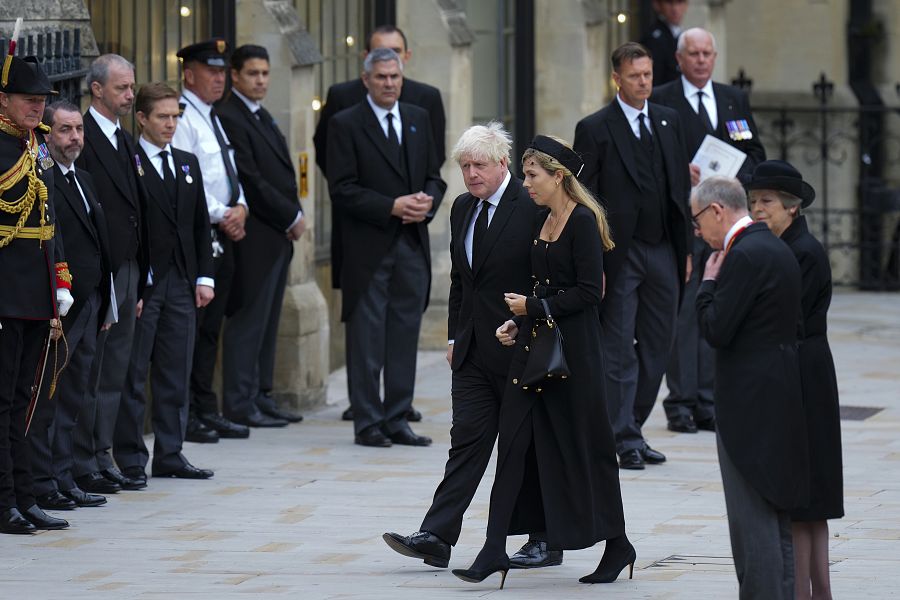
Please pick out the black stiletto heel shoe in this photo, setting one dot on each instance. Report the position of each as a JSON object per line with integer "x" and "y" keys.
{"x": 614, "y": 560}
{"x": 476, "y": 575}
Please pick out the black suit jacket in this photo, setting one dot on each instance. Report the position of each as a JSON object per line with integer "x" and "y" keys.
{"x": 732, "y": 104}
{"x": 476, "y": 301}
{"x": 187, "y": 232}
{"x": 349, "y": 93}
{"x": 364, "y": 181}
{"x": 87, "y": 246}
{"x": 662, "y": 45}
{"x": 603, "y": 140}
{"x": 750, "y": 315}
{"x": 123, "y": 205}
{"x": 270, "y": 185}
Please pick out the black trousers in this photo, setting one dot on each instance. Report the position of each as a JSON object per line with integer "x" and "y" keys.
{"x": 209, "y": 326}
{"x": 21, "y": 344}
{"x": 476, "y": 393}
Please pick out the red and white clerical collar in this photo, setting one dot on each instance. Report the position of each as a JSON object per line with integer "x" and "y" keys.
{"x": 736, "y": 229}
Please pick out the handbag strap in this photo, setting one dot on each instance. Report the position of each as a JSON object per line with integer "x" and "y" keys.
{"x": 549, "y": 318}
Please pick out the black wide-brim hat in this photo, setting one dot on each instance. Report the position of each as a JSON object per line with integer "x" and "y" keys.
{"x": 782, "y": 176}
{"x": 212, "y": 52}
{"x": 26, "y": 77}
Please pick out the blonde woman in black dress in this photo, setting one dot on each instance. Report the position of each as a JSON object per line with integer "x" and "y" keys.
{"x": 556, "y": 468}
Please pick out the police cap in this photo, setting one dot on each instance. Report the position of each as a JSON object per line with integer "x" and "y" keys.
{"x": 212, "y": 52}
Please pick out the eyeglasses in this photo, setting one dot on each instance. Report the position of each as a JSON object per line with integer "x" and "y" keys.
{"x": 697, "y": 216}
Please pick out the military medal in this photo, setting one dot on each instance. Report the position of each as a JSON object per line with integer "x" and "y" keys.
{"x": 187, "y": 173}
{"x": 137, "y": 163}
{"x": 44, "y": 157}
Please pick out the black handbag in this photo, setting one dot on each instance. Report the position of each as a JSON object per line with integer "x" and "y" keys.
{"x": 546, "y": 359}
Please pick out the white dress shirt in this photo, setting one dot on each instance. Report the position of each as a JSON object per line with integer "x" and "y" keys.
{"x": 253, "y": 106}
{"x": 709, "y": 99}
{"x": 631, "y": 114}
{"x": 195, "y": 134}
{"x": 493, "y": 202}
{"x": 106, "y": 126}
{"x": 382, "y": 113}
{"x": 65, "y": 171}
{"x": 153, "y": 153}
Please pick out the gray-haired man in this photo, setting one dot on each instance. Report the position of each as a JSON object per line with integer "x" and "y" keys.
{"x": 385, "y": 183}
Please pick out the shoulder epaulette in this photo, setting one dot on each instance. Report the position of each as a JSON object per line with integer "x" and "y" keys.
{"x": 43, "y": 128}
{"x": 181, "y": 107}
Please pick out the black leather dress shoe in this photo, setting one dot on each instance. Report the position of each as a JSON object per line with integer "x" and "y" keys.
{"x": 279, "y": 413}
{"x": 534, "y": 554}
{"x": 406, "y": 437}
{"x": 372, "y": 436}
{"x": 42, "y": 520}
{"x": 54, "y": 501}
{"x": 651, "y": 456}
{"x": 422, "y": 545}
{"x": 631, "y": 459}
{"x": 188, "y": 471}
{"x": 258, "y": 419}
{"x": 413, "y": 416}
{"x": 198, "y": 433}
{"x": 136, "y": 474}
{"x": 82, "y": 498}
{"x": 682, "y": 424}
{"x": 126, "y": 483}
{"x": 12, "y": 521}
{"x": 707, "y": 424}
{"x": 347, "y": 415}
{"x": 224, "y": 427}
{"x": 97, "y": 484}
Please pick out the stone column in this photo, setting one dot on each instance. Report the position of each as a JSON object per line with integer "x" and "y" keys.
{"x": 302, "y": 367}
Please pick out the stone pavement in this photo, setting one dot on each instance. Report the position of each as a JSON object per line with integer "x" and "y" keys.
{"x": 299, "y": 512}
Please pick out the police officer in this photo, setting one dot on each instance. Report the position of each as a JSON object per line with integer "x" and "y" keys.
{"x": 35, "y": 278}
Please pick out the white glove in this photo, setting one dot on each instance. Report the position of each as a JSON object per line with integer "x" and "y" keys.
{"x": 64, "y": 300}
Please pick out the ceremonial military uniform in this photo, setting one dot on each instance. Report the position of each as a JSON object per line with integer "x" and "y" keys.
{"x": 32, "y": 268}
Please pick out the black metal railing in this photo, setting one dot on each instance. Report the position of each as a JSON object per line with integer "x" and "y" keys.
{"x": 59, "y": 53}
{"x": 841, "y": 148}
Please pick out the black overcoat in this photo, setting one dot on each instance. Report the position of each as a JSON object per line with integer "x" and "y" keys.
{"x": 270, "y": 186}
{"x": 750, "y": 316}
{"x": 366, "y": 176}
{"x": 476, "y": 301}
{"x": 820, "y": 390}
{"x": 574, "y": 494}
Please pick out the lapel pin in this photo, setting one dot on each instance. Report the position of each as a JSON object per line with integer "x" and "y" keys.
{"x": 137, "y": 163}
{"x": 412, "y": 128}
{"x": 663, "y": 122}
{"x": 187, "y": 173}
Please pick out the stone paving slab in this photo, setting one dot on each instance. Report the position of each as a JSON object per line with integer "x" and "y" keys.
{"x": 299, "y": 512}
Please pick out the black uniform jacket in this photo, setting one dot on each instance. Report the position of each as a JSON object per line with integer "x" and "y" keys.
{"x": 180, "y": 237}
{"x": 603, "y": 140}
{"x": 366, "y": 177}
{"x": 751, "y": 316}
{"x": 270, "y": 186}
{"x": 476, "y": 302}
{"x": 87, "y": 246}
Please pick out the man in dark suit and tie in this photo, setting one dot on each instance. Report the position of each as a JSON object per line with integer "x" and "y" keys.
{"x": 182, "y": 282}
{"x": 349, "y": 93}
{"x": 721, "y": 111}
{"x": 749, "y": 311}
{"x": 634, "y": 163}
{"x": 109, "y": 156}
{"x": 491, "y": 231}
{"x": 385, "y": 183}
{"x": 662, "y": 36}
{"x": 263, "y": 257}
{"x": 81, "y": 219}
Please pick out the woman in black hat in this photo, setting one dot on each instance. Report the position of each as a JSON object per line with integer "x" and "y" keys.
{"x": 777, "y": 196}
{"x": 557, "y": 471}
